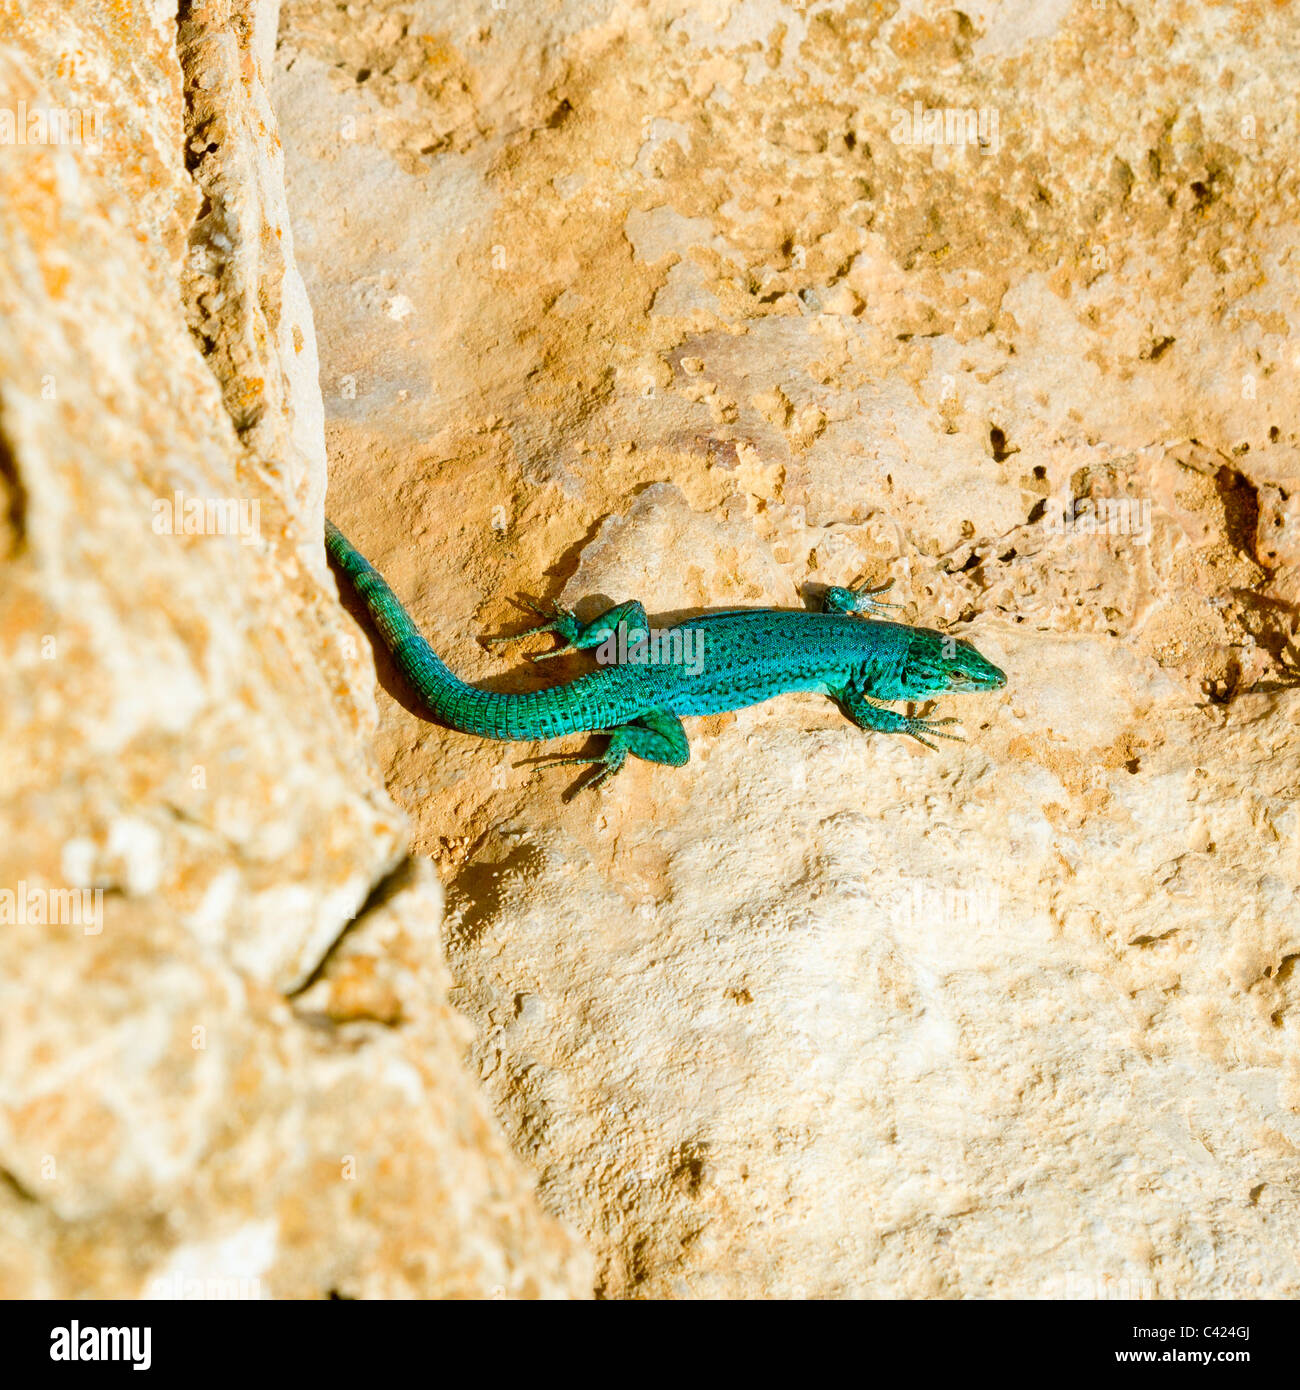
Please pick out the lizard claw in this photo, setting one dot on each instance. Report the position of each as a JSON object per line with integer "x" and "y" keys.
{"x": 600, "y": 775}
{"x": 858, "y": 598}
{"x": 866, "y": 598}
{"x": 560, "y": 620}
{"x": 608, "y": 766}
{"x": 931, "y": 727}
{"x": 541, "y": 609}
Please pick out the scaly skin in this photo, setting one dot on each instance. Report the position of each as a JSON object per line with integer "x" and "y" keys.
{"x": 721, "y": 661}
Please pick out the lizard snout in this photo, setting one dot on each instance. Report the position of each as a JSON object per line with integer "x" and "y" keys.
{"x": 968, "y": 670}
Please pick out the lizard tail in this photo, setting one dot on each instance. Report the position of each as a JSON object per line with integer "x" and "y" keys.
{"x": 414, "y": 657}
{"x": 487, "y": 713}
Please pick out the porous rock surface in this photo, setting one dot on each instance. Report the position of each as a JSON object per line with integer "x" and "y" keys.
{"x": 695, "y": 303}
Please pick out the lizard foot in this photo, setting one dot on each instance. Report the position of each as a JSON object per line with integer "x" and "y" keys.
{"x": 858, "y": 599}
{"x": 867, "y": 714}
{"x": 562, "y": 622}
{"x": 917, "y": 728}
{"x": 609, "y": 762}
{"x": 657, "y": 736}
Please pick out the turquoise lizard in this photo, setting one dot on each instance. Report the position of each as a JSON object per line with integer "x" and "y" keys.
{"x": 746, "y": 656}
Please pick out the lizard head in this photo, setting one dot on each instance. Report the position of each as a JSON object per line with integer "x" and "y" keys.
{"x": 936, "y": 662}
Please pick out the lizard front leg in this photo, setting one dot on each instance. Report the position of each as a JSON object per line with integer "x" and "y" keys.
{"x": 857, "y": 599}
{"x": 866, "y": 714}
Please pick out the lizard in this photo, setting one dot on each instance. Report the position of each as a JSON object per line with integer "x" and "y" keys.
{"x": 746, "y": 656}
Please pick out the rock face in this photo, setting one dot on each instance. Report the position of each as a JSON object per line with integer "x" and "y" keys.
{"x": 704, "y": 303}
{"x": 199, "y": 1092}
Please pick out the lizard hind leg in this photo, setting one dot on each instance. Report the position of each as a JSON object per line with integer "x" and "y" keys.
{"x": 657, "y": 736}
{"x": 578, "y": 636}
{"x": 630, "y": 616}
{"x": 866, "y": 714}
{"x": 562, "y": 621}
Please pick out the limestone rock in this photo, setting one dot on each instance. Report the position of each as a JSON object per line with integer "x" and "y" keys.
{"x": 191, "y": 817}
